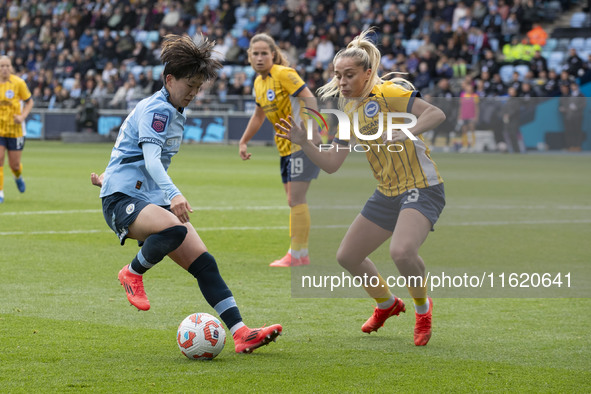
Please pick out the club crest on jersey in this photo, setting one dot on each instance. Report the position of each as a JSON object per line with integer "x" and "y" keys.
{"x": 270, "y": 95}
{"x": 159, "y": 122}
{"x": 371, "y": 109}
{"x": 130, "y": 208}
{"x": 9, "y": 94}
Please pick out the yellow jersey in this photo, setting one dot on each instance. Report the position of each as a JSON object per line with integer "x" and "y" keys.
{"x": 12, "y": 92}
{"x": 409, "y": 165}
{"x": 272, "y": 95}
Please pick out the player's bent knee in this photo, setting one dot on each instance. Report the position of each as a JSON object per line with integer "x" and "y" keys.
{"x": 205, "y": 263}
{"x": 170, "y": 238}
{"x": 403, "y": 255}
{"x": 344, "y": 259}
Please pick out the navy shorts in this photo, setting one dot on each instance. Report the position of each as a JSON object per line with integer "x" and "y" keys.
{"x": 298, "y": 167}
{"x": 13, "y": 143}
{"x": 120, "y": 210}
{"x": 383, "y": 210}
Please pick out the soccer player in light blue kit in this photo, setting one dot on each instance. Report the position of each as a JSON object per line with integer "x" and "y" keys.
{"x": 141, "y": 202}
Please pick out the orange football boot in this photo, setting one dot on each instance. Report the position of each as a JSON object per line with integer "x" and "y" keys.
{"x": 380, "y": 316}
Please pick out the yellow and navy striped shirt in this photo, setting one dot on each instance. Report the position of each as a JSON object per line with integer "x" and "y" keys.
{"x": 12, "y": 92}
{"x": 272, "y": 95}
{"x": 396, "y": 172}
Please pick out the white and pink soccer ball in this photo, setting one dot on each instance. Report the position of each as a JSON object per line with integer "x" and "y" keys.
{"x": 201, "y": 336}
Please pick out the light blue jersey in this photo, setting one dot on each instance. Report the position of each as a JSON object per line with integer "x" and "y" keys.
{"x": 156, "y": 121}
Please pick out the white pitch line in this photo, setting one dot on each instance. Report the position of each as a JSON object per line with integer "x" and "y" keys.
{"x": 522, "y": 207}
{"x": 335, "y": 226}
{"x": 518, "y": 222}
{"x": 51, "y": 232}
{"x": 313, "y": 207}
{"x": 63, "y": 212}
{"x": 77, "y": 211}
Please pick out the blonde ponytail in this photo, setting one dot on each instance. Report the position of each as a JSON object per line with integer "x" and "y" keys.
{"x": 366, "y": 55}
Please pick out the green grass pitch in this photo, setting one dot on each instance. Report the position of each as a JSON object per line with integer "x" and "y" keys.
{"x": 66, "y": 326}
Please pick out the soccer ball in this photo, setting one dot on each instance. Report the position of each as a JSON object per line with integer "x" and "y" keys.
{"x": 201, "y": 336}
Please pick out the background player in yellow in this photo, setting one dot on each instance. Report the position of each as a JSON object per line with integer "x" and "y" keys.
{"x": 13, "y": 91}
{"x": 273, "y": 87}
{"x": 409, "y": 197}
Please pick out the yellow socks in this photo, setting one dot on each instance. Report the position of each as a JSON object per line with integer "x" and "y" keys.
{"x": 381, "y": 293}
{"x": 299, "y": 228}
{"x": 419, "y": 297}
{"x": 18, "y": 173}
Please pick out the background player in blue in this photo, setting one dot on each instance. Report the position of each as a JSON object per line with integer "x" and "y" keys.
{"x": 141, "y": 202}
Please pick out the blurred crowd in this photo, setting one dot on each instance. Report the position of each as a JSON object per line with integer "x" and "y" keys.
{"x": 107, "y": 51}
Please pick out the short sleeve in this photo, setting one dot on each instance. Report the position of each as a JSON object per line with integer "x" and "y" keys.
{"x": 257, "y": 82}
{"x": 291, "y": 81}
{"x": 24, "y": 92}
{"x": 398, "y": 98}
{"x": 153, "y": 124}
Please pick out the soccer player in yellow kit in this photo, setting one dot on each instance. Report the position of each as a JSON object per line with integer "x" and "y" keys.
{"x": 13, "y": 90}
{"x": 410, "y": 195}
{"x": 273, "y": 87}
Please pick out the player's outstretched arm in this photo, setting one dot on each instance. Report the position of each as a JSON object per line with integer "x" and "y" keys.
{"x": 329, "y": 159}
{"x": 307, "y": 99}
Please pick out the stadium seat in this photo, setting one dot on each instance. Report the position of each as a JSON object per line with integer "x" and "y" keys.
{"x": 137, "y": 70}
{"x": 157, "y": 72}
{"x": 241, "y": 23}
{"x": 555, "y": 60}
{"x": 227, "y": 69}
{"x": 200, "y": 6}
{"x": 522, "y": 69}
{"x": 556, "y": 56}
{"x": 412, "y": 45}
{"x": 551, "y": 44}
{"x": 68, "y": 83}
{"x": 563, "y": 44}
{"x": 236, "y": 33}
{"x": 578, "y": 43}
{"x": 551, "y": 10}
{"x": 506, "y": 72}
{"x": 494, "y": 44}
{"x": 153, "y": 36}
{"x": 261, "y": 11}
{"x": 141, "y": 36}
{"x": 578, "y": 19}
{"x": 249, "y": 71}
{"x": 588, "y": 44}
